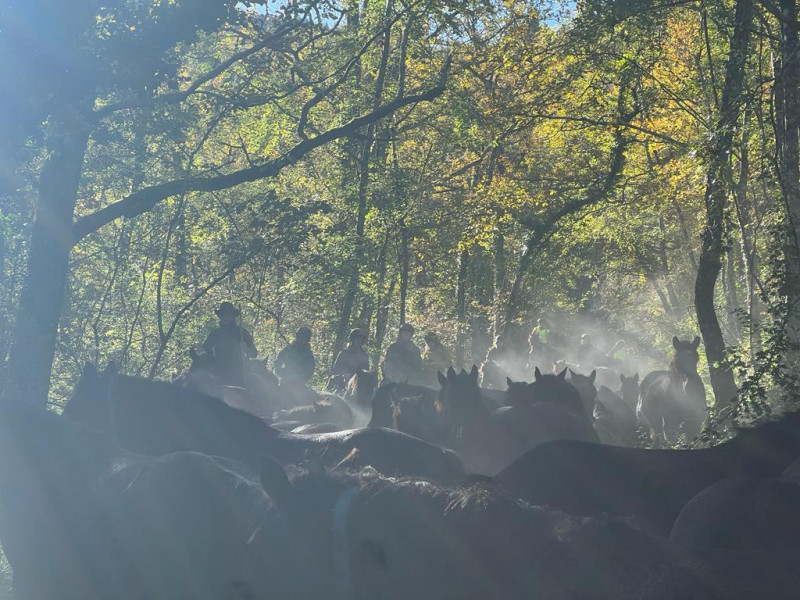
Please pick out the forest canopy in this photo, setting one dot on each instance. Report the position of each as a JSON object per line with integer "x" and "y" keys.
{"x": 629, "y": 169}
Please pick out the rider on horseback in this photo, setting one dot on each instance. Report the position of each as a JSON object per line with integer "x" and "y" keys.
{"x": 230, "y": 344}
{"x": 350, "y": 361}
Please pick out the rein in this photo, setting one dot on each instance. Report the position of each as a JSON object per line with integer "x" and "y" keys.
{"x": 343, "y": 575}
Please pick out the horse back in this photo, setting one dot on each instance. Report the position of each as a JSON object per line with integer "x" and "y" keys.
{"x": 584, "y": 478}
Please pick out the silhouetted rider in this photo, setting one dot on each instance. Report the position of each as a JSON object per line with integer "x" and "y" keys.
{"x": 295, "y": 363}
{"x": 403, "y": 361}
{"x": 230, "y": 344}
{"x": 353, "y": 358}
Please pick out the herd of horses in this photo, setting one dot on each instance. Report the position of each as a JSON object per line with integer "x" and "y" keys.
{"x": 147, "y": 489}
{"x": 670, "y": 405}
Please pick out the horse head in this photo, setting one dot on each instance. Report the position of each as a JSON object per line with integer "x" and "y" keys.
{"x": 686, "y": 357}
{"x": 518, "y": 393}
{"x": 362, "y": 386}
{"x": 556, "y": 390}
{"x": 630, "y": 389}
{"x": 383, "y": 403}
{"x": 586, "y": 388}
{"x": 459, "y": 401}
{"x": 90, "y": 402}
{"x": 202, "y": 361}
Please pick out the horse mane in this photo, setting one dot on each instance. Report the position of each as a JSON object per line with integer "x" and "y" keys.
{"x": 473, "y": 507}
{"x": 477, "y": 499}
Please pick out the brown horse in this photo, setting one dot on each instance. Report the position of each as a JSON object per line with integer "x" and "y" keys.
{"x": 652, "y": 486}
{"x": 156, "y": 418}
{"x": 672, "y": 404}
{"x": 359, "y": 393}
{"x": 387, "y": 539}
{"x": 585, "y": 384}
{"x": 615, "y": 412}
{"x": 258, "y": 397}
{"x": 489, "y": 440}
{"x": 83, "y": 519}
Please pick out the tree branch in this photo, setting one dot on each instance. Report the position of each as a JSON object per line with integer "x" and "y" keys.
{"x": 145, "y": 199}
{"x": 269, "y": 41}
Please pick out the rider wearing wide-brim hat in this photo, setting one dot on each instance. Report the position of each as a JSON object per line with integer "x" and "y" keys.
{"x": 230, "y": 344}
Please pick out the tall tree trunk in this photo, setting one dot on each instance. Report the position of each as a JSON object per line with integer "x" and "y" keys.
{"x": 357, "y": 257}
{"x": 461, "y": 307}
{"x": 382, "y": 321}
{"x": 404, "y": 266}
{"x": 731, "y": 294}
{"x": 35, "y": 330}
{"x": 499, "y": 275}
{"x": 647, "y": 271}
{"x": 685, "y": 234}
{"x": 663, "y": 257}
{"x": 382, "y": 311}
{"x": 744, "y": 214}
{"x": 717, "y": 187}
{"x": 787, "y": 111}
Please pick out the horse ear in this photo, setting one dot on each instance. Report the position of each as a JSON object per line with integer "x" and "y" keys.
{"x": 675, "y": 342}
{"x": 509, "y": 382}
{"x": 563, "y": 374}
{"x": 111, "y": 369}
{"x": 537, "y": 373}
{"x": 571, "y": 373}
{"x": 442, "y": 379}
{"x": 474, "y": 372}
{"x": 275, "y": 482}
{"x": 193, "y": 353}
{"x": 451, "y": 373}
{"x": 696, "y": 343}
{"x": 636, "y": 378}
{"x": 622, "y": 378}
{"x": 592, "y": 376}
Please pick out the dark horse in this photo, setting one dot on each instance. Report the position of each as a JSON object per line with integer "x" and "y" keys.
{"x": 259, "y": 395}
{"x": 83, "y": 519}
{"x": 156, "y": 418}
{"x": 673, "y": 403}
{"x": 545, "y": 410}
{"x": 652, "y": 486}
{"x": 615, "y": 413}
{"x": 389, "y": 539}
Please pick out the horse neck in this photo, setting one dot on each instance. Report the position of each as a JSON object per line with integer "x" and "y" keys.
{"x": 474, "y": 408}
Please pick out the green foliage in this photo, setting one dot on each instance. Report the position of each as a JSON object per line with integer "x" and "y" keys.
{"x": 525, "y": 127}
